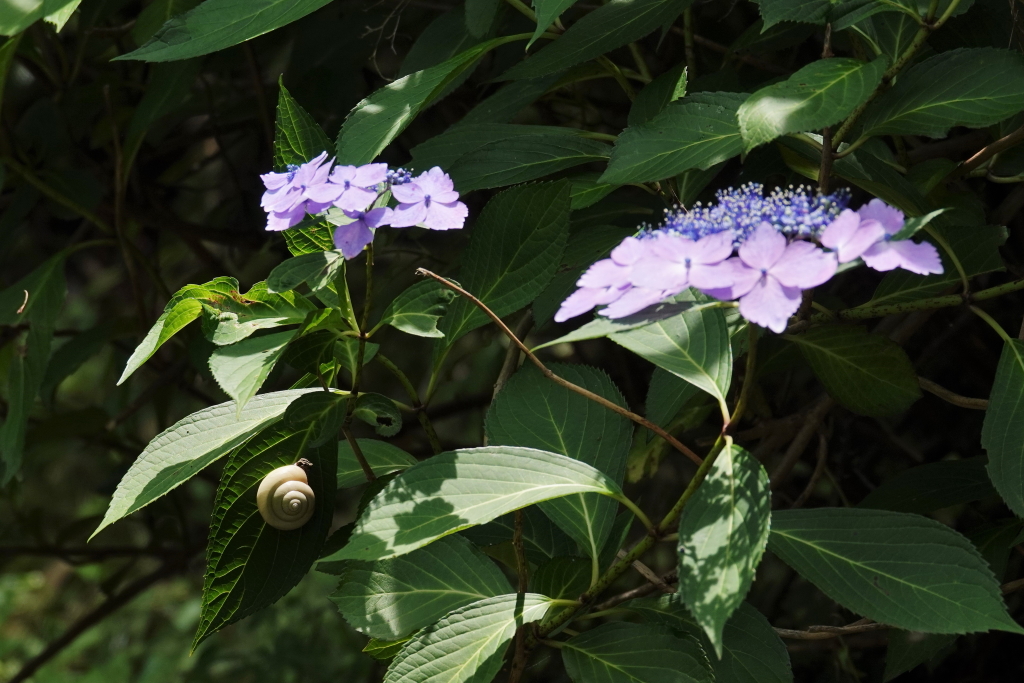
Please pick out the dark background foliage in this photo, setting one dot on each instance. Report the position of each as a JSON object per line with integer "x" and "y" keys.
{"x": 189, "y": 211}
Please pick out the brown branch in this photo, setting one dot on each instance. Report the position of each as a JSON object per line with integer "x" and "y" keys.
{"x": 522, "y": 571}
{"x": 558, "y": 380}
{"x": 638, "y": 592}
{"x": 949, "y": 397}
{"x": 796, "y": 448}
{"x": 819, "y": 469}
{"x": 1002, "y": 144}
{"x": 648, "y": 574}
{"x": 512, "y": 355}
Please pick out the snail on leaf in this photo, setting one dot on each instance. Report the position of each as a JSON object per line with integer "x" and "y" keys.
{"x": 284, "y": 498}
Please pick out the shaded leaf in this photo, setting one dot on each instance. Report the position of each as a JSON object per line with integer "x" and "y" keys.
{"x": 658, "y": 94}
{"x": 562, "y": 578}
{"x": 542, "y": 540}
{"x": 380, "y": 412}
{"x": 930, "y": 487}
{"x": 520, "y": 159}
{"x": 382, "y": 457}
{"x": 318, "y": 270}
{"x": 241, "y": 369}
{"x": 1002, "y": 435}
{"x": 417, "y": 310}
{"x": 621, "y": 652}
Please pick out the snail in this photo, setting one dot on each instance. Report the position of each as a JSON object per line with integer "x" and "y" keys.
{"x": 284, "y": 497}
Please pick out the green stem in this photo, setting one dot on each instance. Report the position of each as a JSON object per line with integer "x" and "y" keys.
{"x": 992, "y": 323}
{"x": 523, "y": 9}
{"x": 56, "y": 196}
{"x": 616, "y": 73}
{"x": 935, "y": 235}
{"x": 417, "y": 406}
{"x": 632, "y": 507}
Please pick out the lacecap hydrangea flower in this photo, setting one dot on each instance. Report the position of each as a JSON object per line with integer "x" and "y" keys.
{"x": 777, "y": 254}
{"x": 428, "y": 200}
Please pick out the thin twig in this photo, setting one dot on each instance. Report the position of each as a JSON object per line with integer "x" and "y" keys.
{"x": 949, "y": 397}
{"x": 648, "y": 574}
{"x": 638, "y": 592}
{"x": 825, "y": 171}
{"x": 819, "y": 469}
{"x": 522, "y": 572}
{"x": 558, "y": 380}
{"x": 796, "y": 448}
{"x": 1002, "y": 144}
{"x": 511, "y": 362}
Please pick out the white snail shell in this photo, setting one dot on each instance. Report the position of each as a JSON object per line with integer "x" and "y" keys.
{"x": 285, "y": 499}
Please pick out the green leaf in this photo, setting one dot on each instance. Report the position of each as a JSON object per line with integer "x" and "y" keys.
{"x": 658, "y": 94}
{"x": 609, "y": 26}
{"x": 908, "y": 649}
{"x": 35, "y": 300}
{"x": 382, "y": 457}
{"x": 820, "y": 94}
{"x": 155, "y": 14}
{"x": 542, "y": 540}
{"x": 417, "y": 310}
{"x": 217, "y": 24}
{"x": 977, "y": 248}
{"x": 520, "y": 159}
{"x": 722, "y": 535}
{"x": 585, "y": 246}
{"x": 480, "y": 15}
{"x": 297, "y": 137}
{"x": 231, "y": 317}
{"x": 620, "y": 652}
{"x": 241, "y": 369}
{"x": 169, "y": 87}
{"x": 932, "y": 487}
{"x": 455, "y": 490}
{"x": 698, "y": 131}
{"x": 547, "y": 11}
{"x": 515, "y": 247}
{"x": 509, "y": 100}
{"x": 166, "y": 326}
{"x": 666, "y": 396}
{"x": 1002, "y": 435}
{"x": 15, "y": 17}
{"x": 446, "y": 149}
{"x": 179, "y": 452}
{"x": 804, "y": 11}
{"x": 752, "y": 652}
{"x": 318, "y": 269}
{"x": 250, "y": 564}
{"x": 899, "y": 569}
{"x": 60, "y": 17}
{"x": 562, "y": 578}
{"x": 384, "y": 650}
{"x": 468, "y": 644}
{"x": 605, "y": 327}
{"x": 389, "y": 599}
{"x": 377, "y": 120}
{"x": 533, "y": 412}
{"x": 693, "y": 345}
{"x": 868, "y": 373}
{"x": 965, "y": 87}
{"x": 318, "y": 414}
{"x": 588, "y": 190}
{"x": 380, "y": 413}
{"x": 346, "y": 352}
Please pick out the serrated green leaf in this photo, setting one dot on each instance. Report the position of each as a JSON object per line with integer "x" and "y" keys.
{"x": 584, "y": 247}
{"x": 379, "y": 412}
{"x": 722, "y": 535}
{"x": 458, "y": 489}
{"x": 976, "y": 247}
{"x": 804, "y": 11}
{"x": 521, "y": 159}
{"x": 895, "y": 568}
{"x": 666, "y": 396}
{"x": 908, "y": 649}
{"x": 241, "y": 369}
{"x": 1002, "y": 435}
{"x": 384, "y": 649}
{"x": 319, "y": 414}
{"x": 393, "y": 598}
{"x": 562, "y": 578}
{"x": 609, "y": 26}
{"x": 480, "y": 15}
{"x": 417, "y": 310}
{"x": 542, "y": 540}
{"x": 620, "y": 652}
{"x": 965, "y": 87}
{"x": 179, "y": 452}
{"x": 217, "y": 24}
{"x": 752, "y": 652}
{"x": 377, "y": 120}
{"x": 588, "y": 190}
{"x": 515, "y": 247}
{"x": 868, "y": 373}
{"x": 155, "y": 14}
{"x": 698, "y": 131}
{"x": 511, "y": 98}
{"x": 447, "y": 148}
{"x": 547, "y": 11}
{"x": 693, "y": 345}
{"x": 231, "y": 317}
{"x": 318, "y": 269}
{"x": 15, "y": 17}
{"x": 250, "y": 564}
{"x": 658, "y": 94}
{"x": 466, "y": 645}
{"x": 932, "y": 487}
{"x": 346, "y": 352}
{"x": 297, "y": 137}
{"x": 820, "y": 94}
{"x": 533, "y": 412}
{"x": 382, "y": 457}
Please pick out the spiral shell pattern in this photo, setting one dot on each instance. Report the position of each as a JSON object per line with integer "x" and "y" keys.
{"x": 285, "y": 499}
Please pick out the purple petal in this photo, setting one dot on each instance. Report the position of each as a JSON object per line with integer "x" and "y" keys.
{"x": 409, "y": 193}
{"x": 313, "y": 208}
{"x": 274, "y": 181}
{"x": 605, "y": 273}
{"x": 713, "y": 248}
{"x": 770, "y": 304}
{"x": 921, "y": 258}
{"x": 891, "y": 218}
{"x": 408, "y": 215}
{"x": 434, "y": 182}
{"x": 584, "y": 299}
{"x": 342, "y": 173}
{"x": 445, "y": 216}
{"x": 850, "y": 236}
{"x": 633, "y": 301}
{"x": 352, "y": 237}
{"x": 355, "y": 198}
{"x": 375, "y": 218}
{"x": 763, "y": 248}
{"x": 658, "y": 273}
{"x": 282, "y": 220}
{"x": 881, "y": 256}
{"x": 370, "y": 175}
{"x": 630, "y": 251}
{"x": 671, "y": 248}
{"x": 803, "y": 265}
{"x": 713, "y": 276}
{"x": 324, "y": 193}
{"x": 743, "y": 280}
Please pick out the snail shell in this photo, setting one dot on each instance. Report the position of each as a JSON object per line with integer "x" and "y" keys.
{"x": 285, "y": 499}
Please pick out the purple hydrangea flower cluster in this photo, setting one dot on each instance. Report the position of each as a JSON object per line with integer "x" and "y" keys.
{"x": 776, "y": 255}
{"x": 428, "y": 200}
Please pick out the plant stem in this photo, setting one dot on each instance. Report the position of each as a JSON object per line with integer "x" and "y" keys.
{"x": 992, "y": 323}
{"x": 558, "y": 380}
{"x": 417, "y": 405}
{"x": 691, "y": 54}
